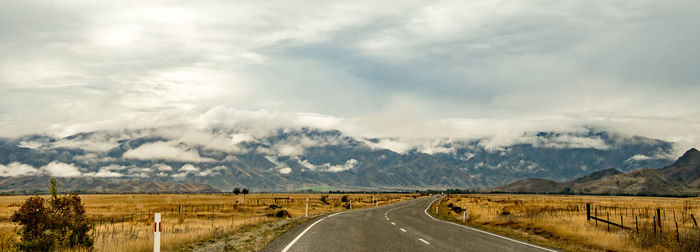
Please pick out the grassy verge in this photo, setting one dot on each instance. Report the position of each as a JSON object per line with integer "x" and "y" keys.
{"x": 559, "y": 221}
{"x": 533, "y": 235}
{"x": 248, "y": 237}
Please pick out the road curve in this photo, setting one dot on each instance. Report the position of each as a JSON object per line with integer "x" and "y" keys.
{"x": 403, "y": 226}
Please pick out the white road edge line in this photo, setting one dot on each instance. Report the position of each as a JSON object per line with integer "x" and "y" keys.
{"x": 424, "y": 241}
{"x": 307, "y": 229}
{"x": 482, "y": 231}
{"x": 403, "y": 229}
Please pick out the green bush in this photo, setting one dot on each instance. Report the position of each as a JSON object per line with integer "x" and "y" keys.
{"x": 58, "y": 222}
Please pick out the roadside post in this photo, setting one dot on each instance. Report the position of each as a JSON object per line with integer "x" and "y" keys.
{"x": 306, "y": 215}
{"x": 464, "y": 215}
{"x": 156, "y": 233}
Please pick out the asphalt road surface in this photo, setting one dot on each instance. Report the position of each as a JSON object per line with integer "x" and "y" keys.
{"x": 403, "y": 226}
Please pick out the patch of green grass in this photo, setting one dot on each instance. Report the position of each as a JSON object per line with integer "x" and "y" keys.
{"x": 323, "y": 188}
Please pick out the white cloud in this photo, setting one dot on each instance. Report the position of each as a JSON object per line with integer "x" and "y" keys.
{"x": 93, "y": 158}
{"x": 165, "y": 151}
{"x": 390, "y": 144}
{"x": 350, "y": 164}
{"x": 58, "y": 169}
{"x": 16, "y": 169}
{"x": 30, "y": 144}
{"x": 89, "y": 145}
{"x": 107, "y": 172}
{"x": 163, "y": 167}
{"x": 188, "y": 168}
{"x": 327, "y": 167}
{"x": 565, "y": 141}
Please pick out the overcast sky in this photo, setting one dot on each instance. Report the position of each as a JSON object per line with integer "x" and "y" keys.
{"x": 384, "y": 68}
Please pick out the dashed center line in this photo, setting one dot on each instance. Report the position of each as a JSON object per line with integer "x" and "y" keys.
{"x": 403, "y": 229}
{"x": 393, "y": 224}
{"x": 424, "y": 241}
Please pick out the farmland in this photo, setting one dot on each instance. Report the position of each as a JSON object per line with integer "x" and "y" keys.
{"x": 124, "y": 222}
{"x": 561, "y": 221}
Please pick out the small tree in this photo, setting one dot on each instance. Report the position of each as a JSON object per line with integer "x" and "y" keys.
{"x": 236, "y": 190}
{"x": 56, "y": 222}
{"x": 344, "y": 198}
{"x": 324, "y": 199}
{"x": 244, "y": 191}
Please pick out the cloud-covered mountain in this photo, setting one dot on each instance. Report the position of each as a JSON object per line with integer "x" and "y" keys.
{"x": 289, "y": 159}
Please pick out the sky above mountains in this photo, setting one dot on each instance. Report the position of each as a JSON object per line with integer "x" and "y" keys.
{"x": 410, "y": 69}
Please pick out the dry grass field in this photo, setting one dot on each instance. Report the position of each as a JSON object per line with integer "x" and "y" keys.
{"x": 560, "y": 221}
{"x": 124, "y": 222}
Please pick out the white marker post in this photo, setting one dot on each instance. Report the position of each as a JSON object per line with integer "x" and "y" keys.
{"x": 350, "y": 204}
{"x": 306, "y": 215}
{"x": 436, "y": 207}
{"x": 464, "y": 216}
{"x": 156, "y": 234}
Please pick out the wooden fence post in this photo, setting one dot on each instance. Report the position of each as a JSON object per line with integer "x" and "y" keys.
{"x": 588, "y": 211}
{"x": 658, "y": 220}
{"x": 622, "y": 223}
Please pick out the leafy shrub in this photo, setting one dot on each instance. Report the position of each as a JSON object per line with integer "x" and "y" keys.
{"x": 58, "y": 222}
{"x": 273, "y": 206}
{"x": 324, "y": 199}
{"x": 456, "y": 209}
{"x": 344, "y": 198}
{"x": 236, "y": 191}
{"x": 282, "y": 213}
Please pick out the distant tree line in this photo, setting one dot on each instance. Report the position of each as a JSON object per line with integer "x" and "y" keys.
{"x": 238, "y": 191}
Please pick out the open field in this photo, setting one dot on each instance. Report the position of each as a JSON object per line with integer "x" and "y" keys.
{"x": 124, "y": 222}
{"x": 560, "y": 221}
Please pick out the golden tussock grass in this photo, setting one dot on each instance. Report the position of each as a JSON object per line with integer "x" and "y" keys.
{"x": 124, "y": 222}
{"x": 560, "y": 221}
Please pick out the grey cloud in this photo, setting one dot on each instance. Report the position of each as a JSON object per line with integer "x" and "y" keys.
{"x": 436, "y": 69}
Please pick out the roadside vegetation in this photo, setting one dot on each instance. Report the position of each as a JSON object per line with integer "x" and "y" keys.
{"x": 560, "y": 221}
{"x": 124, "y": 222}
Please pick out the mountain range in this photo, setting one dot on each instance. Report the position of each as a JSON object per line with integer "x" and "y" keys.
{"x": 680, "y": 178}
{"x": 303, "y": 158}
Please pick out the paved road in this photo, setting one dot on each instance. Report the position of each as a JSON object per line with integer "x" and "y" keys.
{"x": 403, "y": 226}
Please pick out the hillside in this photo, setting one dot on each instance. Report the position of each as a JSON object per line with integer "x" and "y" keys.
{"x": 91, "y": 185}
{"x": 686, "y": 170}
{"x": 679, "y": 178}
